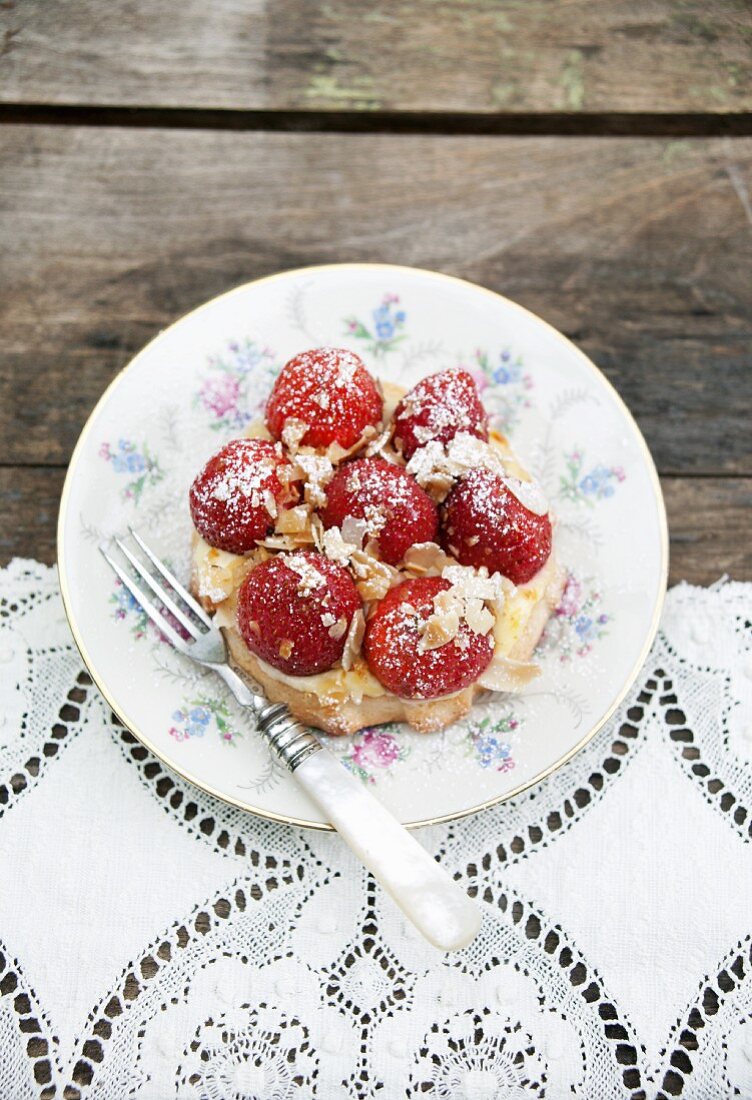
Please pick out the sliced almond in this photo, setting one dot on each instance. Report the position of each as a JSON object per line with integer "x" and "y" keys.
{"x": 335, "y": 547}
{"x": 257, "y": 429}
{"x": 337, "y": 454}
{"x": 354, "y": 531}
{"x": 317, "y": 471}
{"x": 478, "y": 617}
{"x": 426, "y": 559}
{"x": 474, "y": 583}
{"x": 503, "y": 674}
{"x": 380, "y": 443}
{"x": 293, "y": 433}
{"x": 438, "y": 630}
{"x": 338, "y": 628}
{"x": 354, "y": 640}
{"x": 280, "y": 542}
{"x": 294, "y": 521}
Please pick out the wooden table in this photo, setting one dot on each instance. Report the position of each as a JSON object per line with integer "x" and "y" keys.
{"x": 589, "y": 158}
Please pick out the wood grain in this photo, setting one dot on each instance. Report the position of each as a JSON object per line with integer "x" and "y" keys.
{"x": 639, "y": 250}
{"x": 483, "y": 56}
{"x": 709, "y": 527}
{"x": 708, "y": 521}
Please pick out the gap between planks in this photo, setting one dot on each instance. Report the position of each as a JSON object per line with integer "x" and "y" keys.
{"x": 540, "y": 124}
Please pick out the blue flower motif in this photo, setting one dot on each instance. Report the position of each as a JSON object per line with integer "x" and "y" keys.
{"x": 126, "y": 601}
{"x": 400, "y": 317}
{"x": 583, "y": 625}
{"x": 135, "y": 464}
{"x": 490, "y": 750}
{"x": 383, "y": 322}
{"x": 200, "y": 715}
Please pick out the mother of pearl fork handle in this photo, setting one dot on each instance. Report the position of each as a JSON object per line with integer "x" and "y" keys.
{"x": 437, "y": 905}
{"x": 425, "y": 893}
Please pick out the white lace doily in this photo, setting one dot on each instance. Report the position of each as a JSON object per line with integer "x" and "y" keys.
{"x": 156, "y": 943}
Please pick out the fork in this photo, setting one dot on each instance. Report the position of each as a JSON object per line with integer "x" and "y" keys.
{"x": 423, "y": 890}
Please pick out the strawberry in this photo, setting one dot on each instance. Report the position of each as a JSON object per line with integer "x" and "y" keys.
{"x": 438, "y": 408}
{"x": 294, "y": 611}
{"x": 485, "y": 523}
{"x": 236, "y": 498}
{"x": 394, "y": 507}
{"x": 329, "y": 394}
{"x": 392, "y": 645}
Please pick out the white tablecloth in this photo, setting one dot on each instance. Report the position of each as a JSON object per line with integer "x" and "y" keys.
{"x": 156, "y": 943}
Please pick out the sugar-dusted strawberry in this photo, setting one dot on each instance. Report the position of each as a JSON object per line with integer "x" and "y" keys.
{"x": 237, "y": 496}
{"x": 396, "y": 511}
{"x": 486, "y": 523}
{"x": 438, "y": 408}
{"x": 329, "y": 397}
{"x": 294, "y": 611}
{"x": 394, "y": 645}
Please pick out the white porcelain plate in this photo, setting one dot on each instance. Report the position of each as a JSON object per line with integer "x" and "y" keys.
{"x": 201, "y": 381}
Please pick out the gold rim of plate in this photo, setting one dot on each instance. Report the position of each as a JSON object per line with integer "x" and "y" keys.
{"x": 269, "y": 815}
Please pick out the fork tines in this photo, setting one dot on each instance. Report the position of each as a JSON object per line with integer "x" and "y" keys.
{"x": 191, "y": 617}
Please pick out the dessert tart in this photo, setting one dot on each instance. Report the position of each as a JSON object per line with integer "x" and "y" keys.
{"x": 374, "y": 555}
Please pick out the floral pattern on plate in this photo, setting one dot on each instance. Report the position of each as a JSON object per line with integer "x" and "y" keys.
{"x": 504, "y": 386}
{"x": 126, "y": 457}
{"x": 598, "y": 483}
{"x": 225, "y": 392}
{"x": 485, "y": 745}
{"x": 128, "y": 610}
{"x": 375, "y": 748}
{"x": 386, "y": 325}
{"x": 577, "y": 623}
{"x": 199, "y": 716}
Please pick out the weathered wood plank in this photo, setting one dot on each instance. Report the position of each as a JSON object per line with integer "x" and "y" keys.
{"x": 641, "y": 251}
{"x": 29, "y": 499}
{"x": 708, "y": 521}
{"x": 488, "y": 56}
{"x": 709, "y": 528}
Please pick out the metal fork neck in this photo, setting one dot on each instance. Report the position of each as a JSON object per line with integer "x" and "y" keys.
{"x": 289, "y": 740}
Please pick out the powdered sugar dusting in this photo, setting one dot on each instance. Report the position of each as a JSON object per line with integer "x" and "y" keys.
{"x": 317, "y": 471}
{"x": 293, "y": 433}
{"x": 310, "y": 577}
{"x": 436, "y": 467}
{"x": 529, "y": 494}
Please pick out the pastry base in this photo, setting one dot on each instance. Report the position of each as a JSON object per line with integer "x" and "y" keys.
{"x": 342, "y": 716}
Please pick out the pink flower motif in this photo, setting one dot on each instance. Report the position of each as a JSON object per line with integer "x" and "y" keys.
{"x": 377, "y": 749}
{"x": 104, "y": 451}
{"x": 571, "y": 598}
{"x": 391, "y": 299}
{"x": 220, "y": 395}
{"x": 618, "y": 473}
{"x": 179, "y": 735}
{"x": 480, "y": 379}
